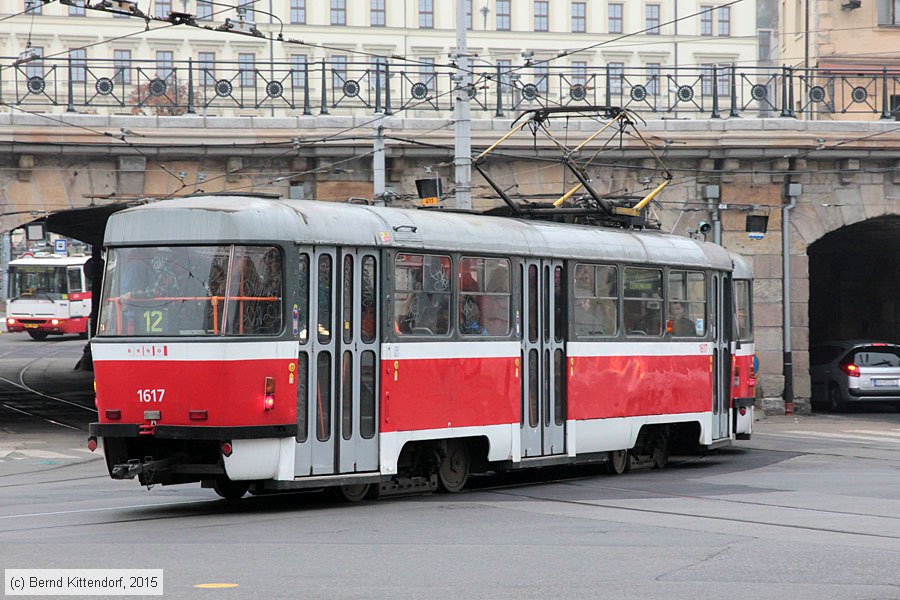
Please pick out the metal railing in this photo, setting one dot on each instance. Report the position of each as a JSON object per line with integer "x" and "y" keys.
{"x": 322, "y": 87}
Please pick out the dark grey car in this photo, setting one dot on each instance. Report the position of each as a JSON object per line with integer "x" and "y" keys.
{"x": 848, "y": 372}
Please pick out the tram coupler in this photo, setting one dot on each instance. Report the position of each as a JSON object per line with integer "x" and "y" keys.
{"x": 136, "y": 466}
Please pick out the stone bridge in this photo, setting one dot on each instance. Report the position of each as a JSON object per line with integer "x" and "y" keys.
{"x": 843, "y": 235}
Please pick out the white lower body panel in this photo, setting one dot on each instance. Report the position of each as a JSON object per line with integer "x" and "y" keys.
{"x": 268, "y": 458}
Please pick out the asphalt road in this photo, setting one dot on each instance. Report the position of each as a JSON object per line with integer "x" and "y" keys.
{"x": 809, "y": 508}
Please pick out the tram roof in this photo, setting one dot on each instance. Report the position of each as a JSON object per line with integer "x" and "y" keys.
{"x": 245, "y": 219}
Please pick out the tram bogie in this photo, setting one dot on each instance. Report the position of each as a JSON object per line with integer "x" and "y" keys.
{"x": 277, "y": 345}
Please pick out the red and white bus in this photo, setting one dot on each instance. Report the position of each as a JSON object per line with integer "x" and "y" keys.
{"x": 49, "y": 295}
{"x": 249, "y": 342}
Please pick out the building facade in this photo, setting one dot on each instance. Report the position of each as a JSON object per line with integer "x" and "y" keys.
{"x": 606, "y": 47}
{"x": 850, "y": 44}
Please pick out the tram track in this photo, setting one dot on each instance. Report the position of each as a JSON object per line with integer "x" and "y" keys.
{"x": 265, "y": 502}
{"x": 729, "y": 519}
{"x": 21, "y": 398}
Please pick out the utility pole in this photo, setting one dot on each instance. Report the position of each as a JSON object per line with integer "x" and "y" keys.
{"x": 378, "y": 159}
{"x": 462, "y": 125}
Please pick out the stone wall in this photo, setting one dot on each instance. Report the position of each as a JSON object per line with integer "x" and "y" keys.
{"x": 844, "y": 183}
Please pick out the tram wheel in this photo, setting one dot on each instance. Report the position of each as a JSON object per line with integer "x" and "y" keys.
{"x": 660, "y": 453}
{"x": 619, "y": 462}
{"x": 453, "y": 471}
{"x": 353, "y": 492}
{"x": 38, "y": 335}
{"x": 230, "y": 490}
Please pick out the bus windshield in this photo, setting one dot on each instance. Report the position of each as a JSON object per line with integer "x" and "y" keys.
{"x": 192, "y": 291}
{"x": 46, "y": 281}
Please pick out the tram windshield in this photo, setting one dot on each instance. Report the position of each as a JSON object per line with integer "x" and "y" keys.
{"x": 192, "y": 291}
{"x": 40, "y": 281}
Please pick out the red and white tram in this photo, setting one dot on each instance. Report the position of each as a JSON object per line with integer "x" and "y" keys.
{"x": 49, "y": 295}
{"x": 272, "y": 344}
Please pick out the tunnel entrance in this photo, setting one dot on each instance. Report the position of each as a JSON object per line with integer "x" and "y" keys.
{"x": 854, "y": 282}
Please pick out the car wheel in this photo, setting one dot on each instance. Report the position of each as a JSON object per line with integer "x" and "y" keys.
{"x": 835, "y": 401}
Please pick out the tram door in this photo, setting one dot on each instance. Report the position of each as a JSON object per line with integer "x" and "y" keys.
{"x": 719, "y": 361}
{"x": 337, "y": 378}
{"x": 543, "y": 403}
{"x": 358, "y": 373}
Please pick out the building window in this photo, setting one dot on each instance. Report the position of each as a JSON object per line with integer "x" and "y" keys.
{"x": 579, "y": 17}
{"x": 504, "y": 12}
{"x": 469, "y": 15}
{"x": 204, "y": 10}
{"x": 504, "y": 65}
{"x": 34, "y": 7}
{"x": 541, "y": 15}
{"x": 724, "y": 20}
{"x": 615, "y": 72}
{"x": 426, "y": 72}
{"x": 78, "y": 57}
{"x": 77, "y": 11}
{"x": 653, "y": 75}
{"x": 338, "y": 71}
{"x": 889, "y": 12}
{"x": 164, "y": 62}
{"x": 378, "y": 74}
{"x": 122, "y": 66}
{"x": 298, "y": 12}
{"x": 652, "y": 14}
{"x": 615, "y": 17}
{"x": 426, "y": 14}
{"x": 377, "y": 13}
{"x": 723, "y": 80}
{"x": 722, "y": 76}
{"x": 706, "y": 20}
{"x": 161, "y": 8}
{"x": 35, "y": 67}
{"x": 706, "y": 79}
{"x": 298, "y": 71}
{"x": 338, "y": 12}
{"x": 206, "y": 61}
{"x": 542, "y": 78}
{"x": 579, "y": 72}
{"x": 247, "y": 65}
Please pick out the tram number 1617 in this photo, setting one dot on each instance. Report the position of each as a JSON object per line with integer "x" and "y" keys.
{"x": 150, "y": 395}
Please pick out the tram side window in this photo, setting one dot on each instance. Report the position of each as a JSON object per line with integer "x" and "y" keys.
{"x": 596, "y": 301}
{"x": 643, "y": 299}
{"x": 422, "y": 294}
{"x": 301, "y": 318}
{"x": 368, "y": 300}
{"x": 485, "y": 296}
{"x": 255, "y": 294}
{"x": 742, "y": 293}
{"x": 687, "y": 304}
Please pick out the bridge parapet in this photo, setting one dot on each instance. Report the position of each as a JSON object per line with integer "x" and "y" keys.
{"x": 230, "y": 88}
